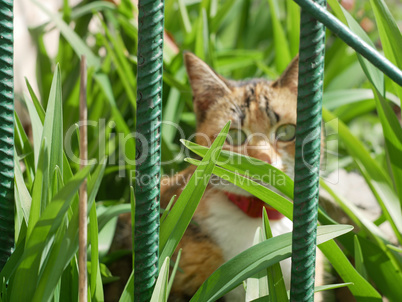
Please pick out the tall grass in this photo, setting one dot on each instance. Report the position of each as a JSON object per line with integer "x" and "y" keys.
{"x": 240, "y": 39}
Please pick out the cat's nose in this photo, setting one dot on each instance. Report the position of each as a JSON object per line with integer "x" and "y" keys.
{"x": 264, "y": 157}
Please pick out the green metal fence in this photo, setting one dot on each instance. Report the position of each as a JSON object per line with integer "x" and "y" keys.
{"x": 6, "y": 132}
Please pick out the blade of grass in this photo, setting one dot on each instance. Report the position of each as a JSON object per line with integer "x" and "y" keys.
{"x": 128, "y": 292}
{"x": 179, "y": 217}
{"x": 65, "y": 249}
{"x": 376, "y": 178}
{"x": 374, "y": 74}
{"x": 40, "y": 189}
{"x": 52, "y": 217}
{"x": 381, "y": 269}
{"x": 334, "y": 99}
{"x": 79, "y": 46}
{"x": 53, "y": 127}
{"x": 257, "y": 285}
{"x": 258, "y": 257}
{"x": 393, "y": 140}
{"x": 169, "y": 206}
{"x": 24, "y": 150}
{"x": 185, "y": 20}
{"x": 24, "y": 201}
{"x": 359, "y": 261}
{"x": 89, "y": 8}
{"x": 37, "y": 129}
{"x": 96, "y": 281}
{"x": 121, "y": 126}
{"x": 161, "y": 287}
{"x": 175, "y": 267}
{"x": 390, "y": 35}
{"x": 282, "y": 57}
{"x": 276, "y": 283}
{"x": 36, "y": 102}
{"x": 293, "y": 26}
{"x": 248, "y": 166}
{"x": 275, "y": 200}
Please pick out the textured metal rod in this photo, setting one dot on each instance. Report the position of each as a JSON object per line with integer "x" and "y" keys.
{"x": 307, "y": 159}
{"x": 149, "y": 117}
{"x": 6, "y": 132}
{"x": 350, "y": 38}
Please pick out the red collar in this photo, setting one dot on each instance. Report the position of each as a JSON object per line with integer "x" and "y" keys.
{"x": 252, "y": 206}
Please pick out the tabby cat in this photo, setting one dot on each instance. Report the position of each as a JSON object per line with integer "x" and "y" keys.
{"x": 263, "y": 118}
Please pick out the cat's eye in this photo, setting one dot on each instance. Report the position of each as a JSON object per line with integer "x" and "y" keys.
{"x": 286, "y": 133}
{"x": 236, "y": 137}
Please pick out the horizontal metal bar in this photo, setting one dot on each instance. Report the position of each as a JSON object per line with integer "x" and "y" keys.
{"x": 350, "y": 38}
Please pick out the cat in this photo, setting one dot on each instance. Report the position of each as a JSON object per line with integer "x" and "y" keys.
{"x": 263, "y": 121}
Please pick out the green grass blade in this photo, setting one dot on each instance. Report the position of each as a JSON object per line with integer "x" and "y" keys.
{"x": 359, "y": 260}
{"x": 383, "y": 271}
{"x": 374, "y": 74}
{"x": 361, "y": 289}
{"x": 169, "y": 206}
{"x": 121, "y": 126}
{"x": 390, "y": 35}
{"x": 11, "y": 266}
{"x": 179, "y": 217}
{"x": 160, "y": 290}
{"x": 128, "y": 292}
{"x": 257, "y": 285}
{"x": 254, "y": 259}
{"x": 24, "y": 150}
{"x": 334, "y": 99}
{"x": 36, "y": 102}
{"x": 79, "y": 46}
{"x": 185, "y": 20}
{"x": 393, "y": 140}
{"x": 316, "y": 289}
{"x": 40, "y": 189}
{"x": 375, "y": 176}
{"x": 37, "y": 129}
{"x": 175, "y": 267}
{"x": 53, "y": 127}
{"x": 112, "y": 212}
{"x": 23, "y": 199}
{"x": 331, "y": 286}
{"x": 124, "y": 70}
{"x": 363, "y": 223}
{"x": 65, "y": 248}
{"x": 276, "y": 283}
{"x": 249, "y": 166}
{"x": 282, "y": 57}
{"x": 275, "y": 200}
{"x": 27, "y": 275}
{"x": 89, "y": 8}
{"x": 132, "y": 204}
{"x": 95, "y": 281}
{"x": 293, "y": 25}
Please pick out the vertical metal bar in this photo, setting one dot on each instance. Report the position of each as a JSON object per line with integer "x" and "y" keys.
{"x": 308, "y": 145}
{"x": 6, "y": 131}
{"x": 149, "y": 117}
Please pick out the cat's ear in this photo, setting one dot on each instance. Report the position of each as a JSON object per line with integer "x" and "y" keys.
{"x": 289, "y": 77}
{"x": 203, "y": 79}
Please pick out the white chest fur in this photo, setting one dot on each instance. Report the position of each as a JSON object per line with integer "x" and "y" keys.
{"x": 234, "y": 231}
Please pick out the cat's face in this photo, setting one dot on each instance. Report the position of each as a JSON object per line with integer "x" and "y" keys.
{"x": 262, "y": 113}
